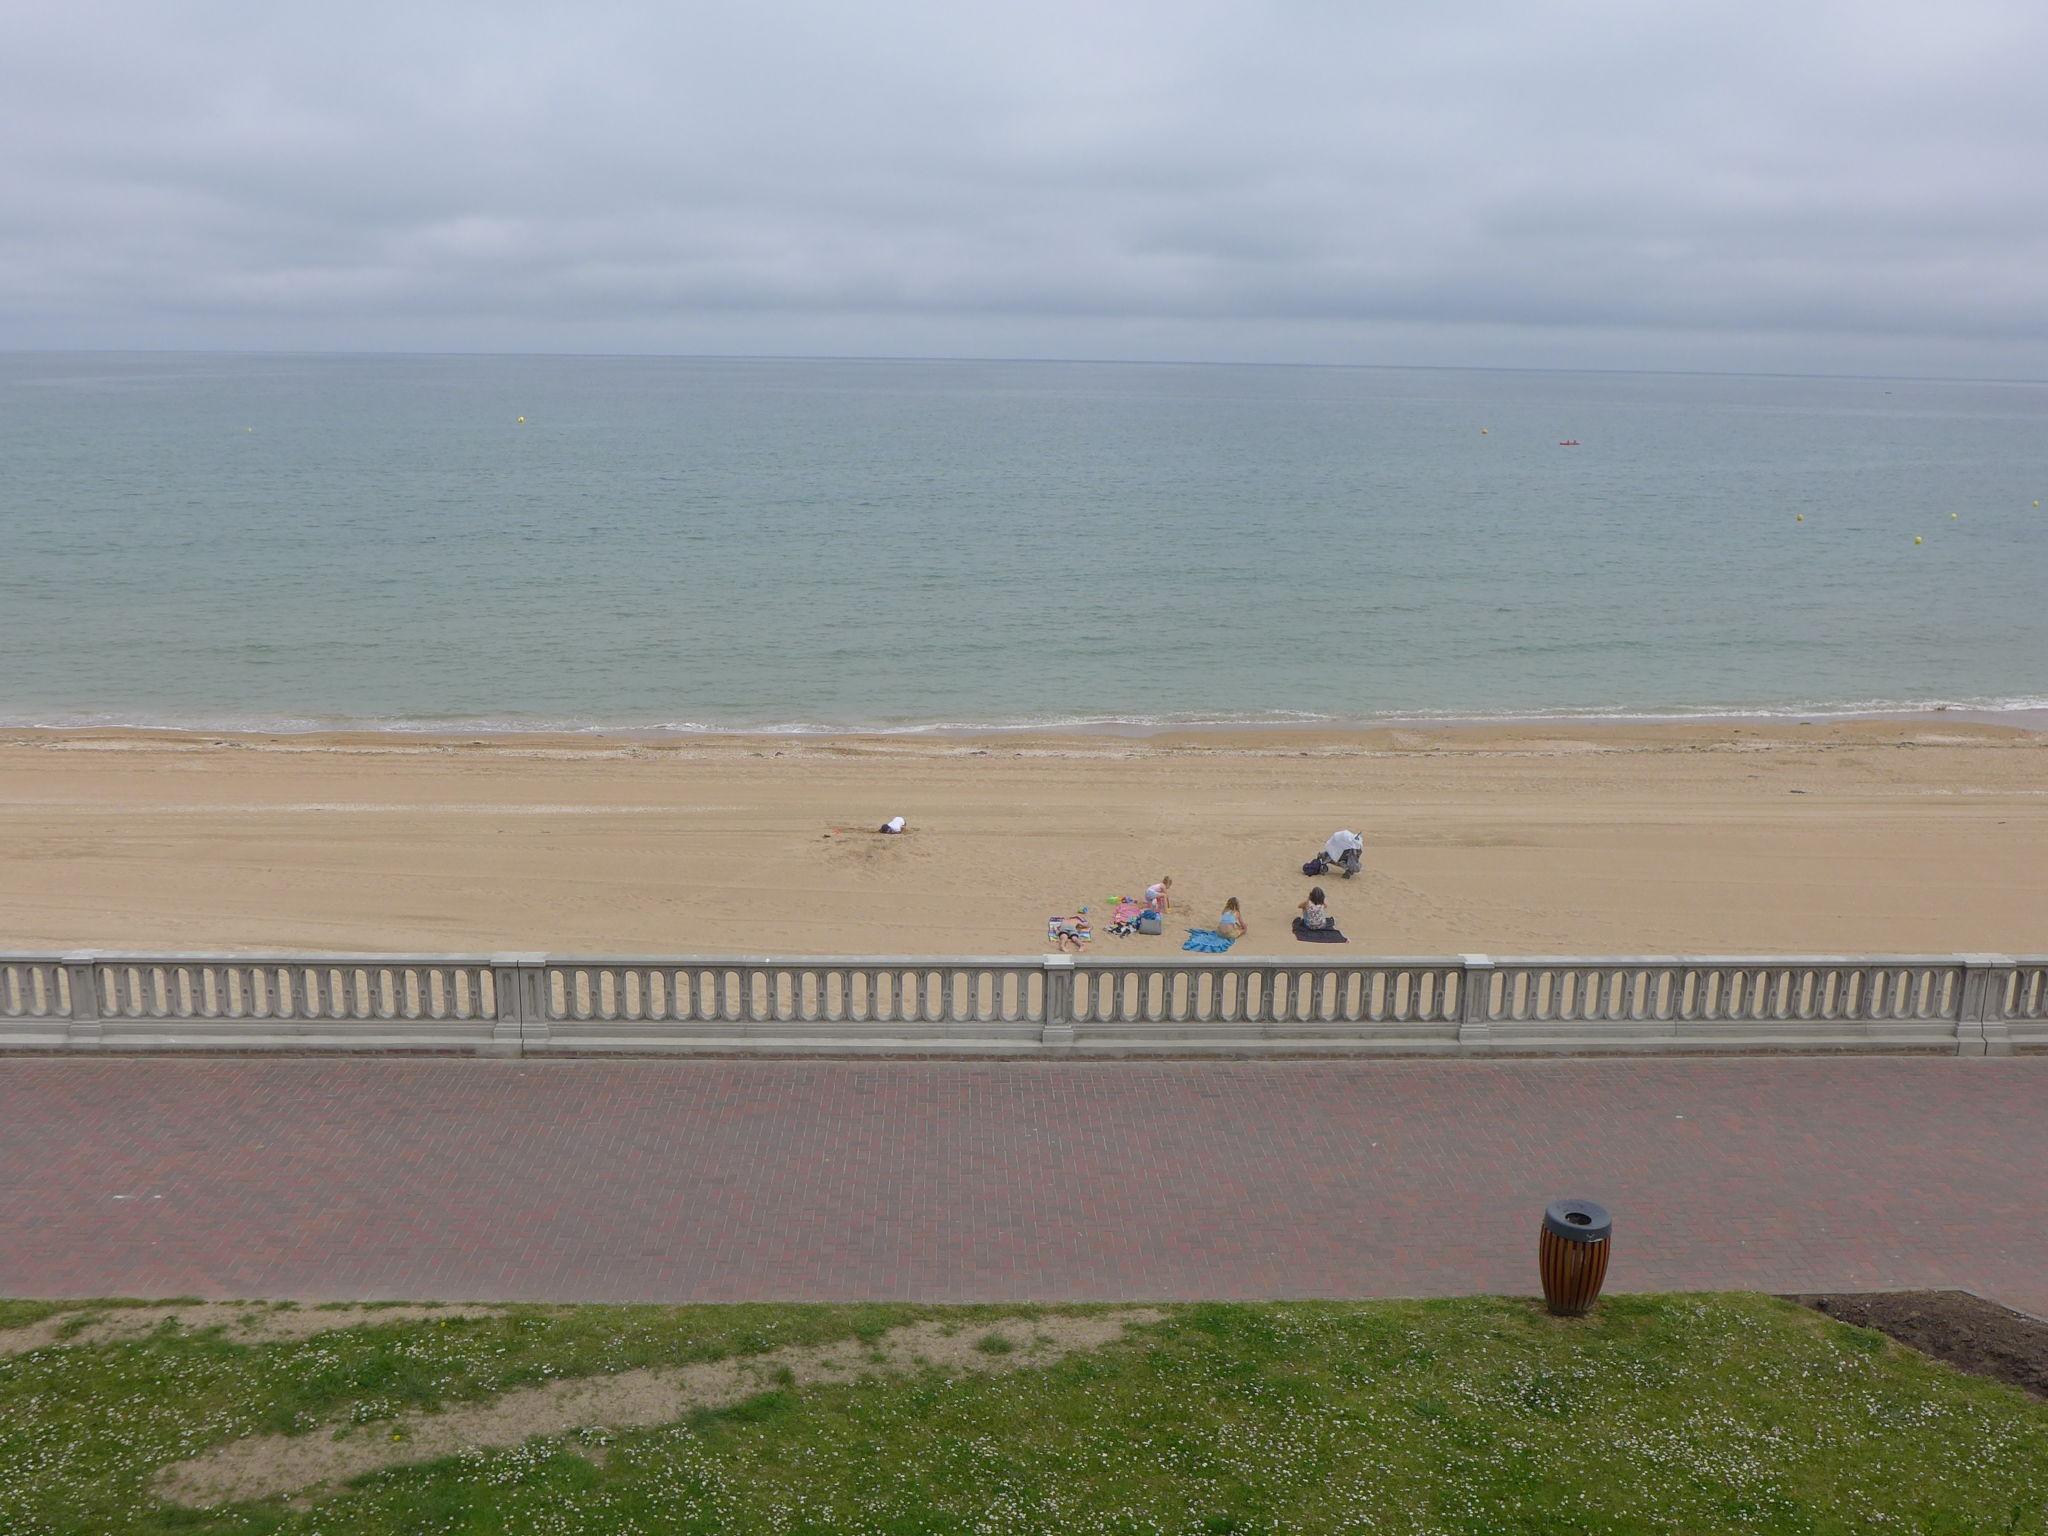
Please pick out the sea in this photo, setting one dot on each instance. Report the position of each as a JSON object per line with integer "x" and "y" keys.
{"x": 673, "y": 545}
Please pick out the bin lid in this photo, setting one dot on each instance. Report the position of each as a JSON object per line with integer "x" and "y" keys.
{"x": 1578, "y": 1221}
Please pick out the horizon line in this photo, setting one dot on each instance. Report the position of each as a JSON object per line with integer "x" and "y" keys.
{"x": 1104, "y": 362}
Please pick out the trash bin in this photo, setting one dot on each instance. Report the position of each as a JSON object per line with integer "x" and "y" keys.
{"x": 1572, "y": 1253}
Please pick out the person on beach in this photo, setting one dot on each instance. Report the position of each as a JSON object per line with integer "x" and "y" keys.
{"x": 1232, "y": 924}
{"x": 1344, "y": 851}
{"x": 1158, "y": 896}
{"x": 1314, "y": 915}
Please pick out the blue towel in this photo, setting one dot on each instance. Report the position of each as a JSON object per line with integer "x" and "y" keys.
{"x": 1207, "y": 941}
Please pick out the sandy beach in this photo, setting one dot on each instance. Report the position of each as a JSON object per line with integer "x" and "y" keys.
{"x": 1841, "y": 837}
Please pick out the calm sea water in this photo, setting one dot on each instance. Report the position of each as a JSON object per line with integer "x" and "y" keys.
{"x": 690, "y": 543}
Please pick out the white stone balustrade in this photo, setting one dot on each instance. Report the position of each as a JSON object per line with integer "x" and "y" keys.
{"x": 1470, "y": 1005}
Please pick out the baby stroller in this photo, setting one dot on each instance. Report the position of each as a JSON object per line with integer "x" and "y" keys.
{"x": 1344, "y": 852}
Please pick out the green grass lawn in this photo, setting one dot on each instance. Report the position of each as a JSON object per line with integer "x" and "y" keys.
{"x": 1675, "y": 1413}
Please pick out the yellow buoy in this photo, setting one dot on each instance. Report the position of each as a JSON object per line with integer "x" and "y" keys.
{"x": 1953, "y": 516}
{"x": 522, "y": 421}
{"x": 1916, "y": 538}
{"x": 1799, "y": 517}
{"x": 1482, "y": 433}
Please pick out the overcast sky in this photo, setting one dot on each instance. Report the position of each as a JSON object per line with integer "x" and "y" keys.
{"x": 1777, "y": 184}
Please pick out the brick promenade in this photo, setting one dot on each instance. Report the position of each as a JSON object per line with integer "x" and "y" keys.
{"x": 716, "y": 1181}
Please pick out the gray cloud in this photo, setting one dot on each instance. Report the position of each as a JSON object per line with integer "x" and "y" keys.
{"x": 1702, "y": 184}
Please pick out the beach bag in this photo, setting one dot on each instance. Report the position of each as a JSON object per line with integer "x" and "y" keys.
{"x": 1150, "y": 922}
{"x": 1316, "y": 866}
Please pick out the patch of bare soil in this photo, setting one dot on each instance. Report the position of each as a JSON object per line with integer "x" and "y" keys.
{"x": 1966, "y": 1331}
{"x": 244, "y": 1322}
{"x": 266, "y": 1465}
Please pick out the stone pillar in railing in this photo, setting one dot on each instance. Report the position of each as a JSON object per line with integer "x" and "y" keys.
{"x": 516, "y": 980}
{"x": 1270, "y": 981}
{"x": 1059, "y": 1001}
{"x": 1980, "y": 1015}
{"x": 81, "y": 971}
{"x": 1475, "y": 1003}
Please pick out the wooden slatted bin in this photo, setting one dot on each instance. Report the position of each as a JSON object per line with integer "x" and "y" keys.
{"x": 1572, "y": 1254}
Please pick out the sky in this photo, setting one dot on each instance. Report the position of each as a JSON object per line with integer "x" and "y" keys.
{"x": 1796, "y": 185}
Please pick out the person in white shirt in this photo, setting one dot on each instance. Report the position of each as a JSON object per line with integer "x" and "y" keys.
{"x": 892, "y": 825}
{"x": 1345, "y": 851}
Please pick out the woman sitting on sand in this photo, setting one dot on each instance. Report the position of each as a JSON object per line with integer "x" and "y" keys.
{"x": 1231, "y": 924}
{"x": 1314, "y": 915}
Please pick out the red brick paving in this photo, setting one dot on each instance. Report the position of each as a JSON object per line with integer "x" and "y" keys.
{"x": 721, "y": 1181}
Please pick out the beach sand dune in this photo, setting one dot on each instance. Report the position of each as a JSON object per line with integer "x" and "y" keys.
{"x": 1845, "y": 837}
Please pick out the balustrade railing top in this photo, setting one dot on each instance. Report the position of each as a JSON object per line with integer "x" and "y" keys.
{"x": 515, "y": 1003}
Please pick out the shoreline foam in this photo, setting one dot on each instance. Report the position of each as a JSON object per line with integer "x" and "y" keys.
{"x": 2025, "y": 712}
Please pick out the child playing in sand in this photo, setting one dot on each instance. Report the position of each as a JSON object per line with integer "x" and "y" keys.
{"x": 1158, "y": 896}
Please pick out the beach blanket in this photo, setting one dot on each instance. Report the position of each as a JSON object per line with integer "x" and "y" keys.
{"x": 1123, "y": 920}
{"x": 1207, "y": 941}
{"x": 1067, "y": 929}
{"x": 1309, "y": 935}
